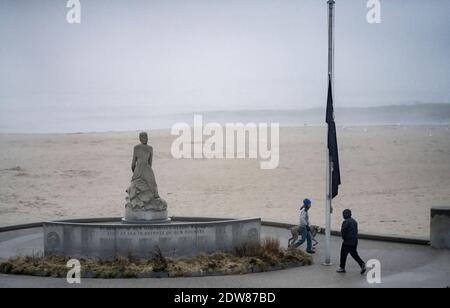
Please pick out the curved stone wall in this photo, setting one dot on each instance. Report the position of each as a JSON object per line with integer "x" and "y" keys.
{"x": 175, "y": 239}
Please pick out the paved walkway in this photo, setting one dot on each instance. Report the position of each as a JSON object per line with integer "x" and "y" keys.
{"x": 403, "y": 265}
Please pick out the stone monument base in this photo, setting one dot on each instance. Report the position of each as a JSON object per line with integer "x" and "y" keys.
{"x": 175, "y": 239}
{"x": 135, "y": 216}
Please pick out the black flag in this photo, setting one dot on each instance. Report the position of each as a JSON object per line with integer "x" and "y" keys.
{"x": 332, "y": 143}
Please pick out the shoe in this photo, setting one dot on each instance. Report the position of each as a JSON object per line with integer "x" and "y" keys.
{"x": 341, "y": 271}
{"x": 311, "y": 252}
{"x": 363, "y": 269}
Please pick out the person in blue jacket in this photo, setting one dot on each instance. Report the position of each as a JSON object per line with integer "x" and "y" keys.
{"x": 304, "y": 227}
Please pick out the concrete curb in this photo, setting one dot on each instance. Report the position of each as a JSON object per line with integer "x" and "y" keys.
{"x": 364, "y": 236}
{"x": 40, "y": 224}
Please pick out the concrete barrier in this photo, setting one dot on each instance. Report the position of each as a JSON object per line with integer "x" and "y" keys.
{"x": 364, "y": 236}
{"x": 440, "y": 227}
{"x": 174, "y": 239}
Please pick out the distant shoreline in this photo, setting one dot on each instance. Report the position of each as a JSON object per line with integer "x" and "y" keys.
{"x": 122, "y": 121}
{"x": 168, "y": 129}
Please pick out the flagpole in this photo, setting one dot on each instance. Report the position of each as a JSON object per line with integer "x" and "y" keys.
{"x": 329, "y": 167}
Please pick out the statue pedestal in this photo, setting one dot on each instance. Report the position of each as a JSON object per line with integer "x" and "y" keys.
{"x": 144, "y": 216}
{"x": 179, "y": 238}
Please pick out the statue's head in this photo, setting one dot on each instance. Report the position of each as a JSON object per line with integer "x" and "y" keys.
{"x": 143, "y": 137}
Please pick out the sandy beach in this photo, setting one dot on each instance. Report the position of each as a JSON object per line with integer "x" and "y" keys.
{"x": 391, "y": 177}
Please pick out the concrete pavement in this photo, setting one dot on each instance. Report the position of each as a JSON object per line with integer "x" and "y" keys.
{"x": 402, "y": 265}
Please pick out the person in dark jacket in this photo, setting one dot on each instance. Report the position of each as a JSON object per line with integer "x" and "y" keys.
{"x": 349, "y": 233}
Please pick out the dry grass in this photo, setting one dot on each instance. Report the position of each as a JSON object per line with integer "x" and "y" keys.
{"x": 268, "y": 246}
{"x": 267, "y": 255}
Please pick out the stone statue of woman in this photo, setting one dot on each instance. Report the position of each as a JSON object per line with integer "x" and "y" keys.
{"x": 143, "y": 192}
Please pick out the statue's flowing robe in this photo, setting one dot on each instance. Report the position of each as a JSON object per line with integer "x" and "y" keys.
{"x": 143, "y": 191}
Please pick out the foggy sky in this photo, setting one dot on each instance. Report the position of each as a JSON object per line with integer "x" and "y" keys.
{"x": 166, "y": 56}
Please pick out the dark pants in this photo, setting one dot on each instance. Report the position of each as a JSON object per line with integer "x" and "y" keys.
{"x": 347, "y": 249}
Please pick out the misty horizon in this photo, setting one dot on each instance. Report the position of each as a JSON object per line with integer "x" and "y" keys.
{"x": 159, "y": 58}
{"x": 115, "y": 121}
